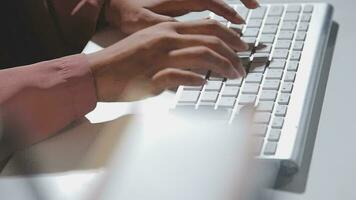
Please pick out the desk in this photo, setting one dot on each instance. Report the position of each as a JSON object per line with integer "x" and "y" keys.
{"x": 332, "y": 167}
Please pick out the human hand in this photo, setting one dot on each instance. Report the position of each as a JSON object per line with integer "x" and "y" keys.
{"x": 132, "y": 15}
{"x": 156, "y": 58}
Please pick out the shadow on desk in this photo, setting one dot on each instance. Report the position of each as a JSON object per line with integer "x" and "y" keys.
{"x": 298, "y": 182}
{"x": 80, "y": 147}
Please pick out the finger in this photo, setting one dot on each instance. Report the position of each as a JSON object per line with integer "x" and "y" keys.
{"x": 200, "y": 57}
{"x": 250, "y": 3}
{"x": 154, "y": 18}
{"x": 221, "y": 8}
{"x": 214, "y": 28}
{"x": 171, "y": 78}
{"x": 213, "y": 43}
{"x": 149, "y": 18}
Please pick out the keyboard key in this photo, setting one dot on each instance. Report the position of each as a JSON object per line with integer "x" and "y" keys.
{"x": 296, "y": 55}
{"x": 301, "y": 35}
{"x": 291, "y": 17}
{"x": 204, "y": 105}
{"x": 236, "y": 27}
{"x": 281, "y": 110}
{"x": 254, "y": 23}
{"x": 265, "y": 106}
{"x": 306, "y": 18}
{"x": 274, "y": 74}
{"x": 270, "y": 29}
{"x": 277, "y": 122}
{"x": 257, "y": 67}
{"x": 253, "y": 78}
{"x": 268, "y": 95}
{"x": 271, "y": 148}
{"x": 251, "y": 32}
{"x": 287, "y": 87}
{"x": 308, "y": 9}
{"x": 284, "y": 99}
{"x": 271, "y": 85}
{"x": 264, "y": 48}
{"x": 260, "y": 130}
{"x": 267, "y": 38}
{"x": 249, "y": 40}
{"x": 234, "y": 82}
{"x": 230, "y": 91}
{"x": 209, "y": 96}
{"x": 280, "y": 53}
{"x": 219, "y": 18}
{"x": 258, "y": 13}
{"x": 303, "y": 26}
{"x": 242, "y": 10}
{"x": 272, "y": 21}
{"x": 286, "y": 35}
{"x": 250, "y": 88}
{"x": 276, "y": 10}
{"x": 213, "y": 85}
{"x": 290, "y": 76}
{"x": 197, "y": 88}
{"x": 274, "y": 135}
{"x": 277, "y": 64}
{"x": 294, "y": 8}
{"x": 227, "y": 102}
{"x": 247, "y": 99}
{"x": 215, "y": 77}
{"x": 262, "y": 118}
{"x": 298, "y": 45}
{"x": 244, "y": 54}
{"x": 290, "y": 26}
{"x": 283, "y": 44}
{"x": 189, "y": 96}
{"x": 260, "y": 57}
{"x": 293, "y": 66}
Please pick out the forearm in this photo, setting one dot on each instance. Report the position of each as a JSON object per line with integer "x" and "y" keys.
{"x": 38, "y": 100}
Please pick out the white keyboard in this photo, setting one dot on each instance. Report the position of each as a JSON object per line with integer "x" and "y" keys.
{"x": 284, "y": 65}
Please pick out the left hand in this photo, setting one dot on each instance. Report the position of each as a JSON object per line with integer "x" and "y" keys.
{"x": 130, "y": 16}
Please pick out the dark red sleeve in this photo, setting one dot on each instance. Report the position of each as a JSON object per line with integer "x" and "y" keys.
{"x": 40, "y": 99}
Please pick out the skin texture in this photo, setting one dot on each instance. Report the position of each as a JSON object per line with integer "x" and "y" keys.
{"x": 133, "y": 15}
{"x": 157, "y": 58}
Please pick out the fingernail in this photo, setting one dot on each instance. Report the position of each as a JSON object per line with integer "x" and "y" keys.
{"x": 245, "y": 46}
{"x": 256, "y": 4}
{"x": 240, "y": 19}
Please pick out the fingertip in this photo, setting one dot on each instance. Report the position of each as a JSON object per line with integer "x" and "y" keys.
{"x": 251, "y": 4}
{"x": 255, "y": 4}
{"x": 234, "y": 74}
{"x": 245, "y": 46}
{"x": 240, "y": 20}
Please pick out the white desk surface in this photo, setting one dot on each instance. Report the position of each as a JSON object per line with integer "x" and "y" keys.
{"x": 332, "y": 173}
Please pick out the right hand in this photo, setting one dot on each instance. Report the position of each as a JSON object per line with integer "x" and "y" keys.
{"x": 157, "y": 58}
{"x": 130, "y": 16}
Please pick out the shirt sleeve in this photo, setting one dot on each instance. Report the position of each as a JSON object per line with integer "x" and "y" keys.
{"x": 38, "y": 100}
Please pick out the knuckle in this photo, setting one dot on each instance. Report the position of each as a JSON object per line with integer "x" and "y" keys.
{"x": 166, "y": 40}
{"x": 204, "y": 52}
